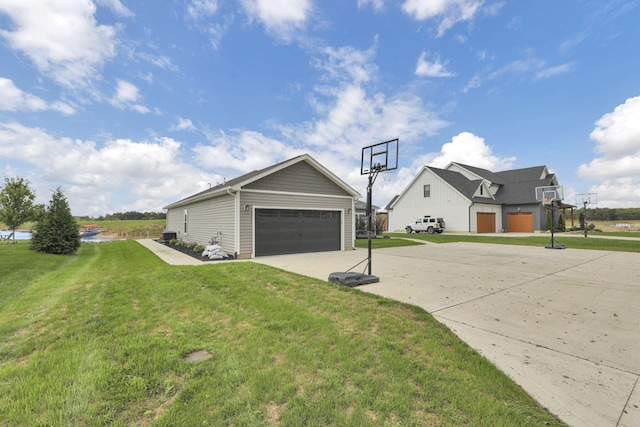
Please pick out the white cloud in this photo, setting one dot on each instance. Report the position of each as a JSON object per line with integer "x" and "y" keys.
{"x": 242, "y": 151}
{"x": 120, "y": 174}
{"x": 347, "y": 64}
{"x": 377, "y": 5}
{"x": 617, "y": 137}
{"x": 434, "y": 68}
{"x": 554, "y": 71}
{"x": 14, "y": 99}
{"x": 468, "y": 149}
{"x": 117, "y": 7}
{"x": 281, "y": 18}
{"x": 160, "y": 61}
{"x": 448, "y": 12}
{"x": 183, "y": 124}
{"x": 199, "y": 9}
{"x": 62, "y": 38}
{"x": 127, "y": 96}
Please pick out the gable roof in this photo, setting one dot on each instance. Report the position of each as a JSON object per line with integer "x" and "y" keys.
{"x": 236, "y": 184}
{"x": 481, "y": 173}
{"x": 516, "y": 186}
{"x": 360, "y": 205}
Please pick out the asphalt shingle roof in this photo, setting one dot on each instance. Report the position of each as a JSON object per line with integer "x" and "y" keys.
{"x": 516, "y": 186}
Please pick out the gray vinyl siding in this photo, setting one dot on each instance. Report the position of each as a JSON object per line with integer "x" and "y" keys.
{"x": 206, "y": 220}
{"x": 265, "y": 200}
{"x": 174, "y": 220}
{"x": 298, "y": 178}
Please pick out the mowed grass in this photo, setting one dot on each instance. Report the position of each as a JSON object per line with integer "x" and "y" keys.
{"x": 99, "y": 338}
{"x": 573, "y": 241}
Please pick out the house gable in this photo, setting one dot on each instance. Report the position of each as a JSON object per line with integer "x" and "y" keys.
{"x": 484, "y": 190}
{"x": 299, "y": 177}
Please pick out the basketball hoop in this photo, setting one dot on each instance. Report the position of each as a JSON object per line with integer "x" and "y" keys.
{"x": 376, "y": 158}
{"x": 548, "y": 197}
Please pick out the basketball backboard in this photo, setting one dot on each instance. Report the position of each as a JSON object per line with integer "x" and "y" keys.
{"x": 379, "y": 157}
{"x": 587, "y": 199}
{"x": 549, "y": 194}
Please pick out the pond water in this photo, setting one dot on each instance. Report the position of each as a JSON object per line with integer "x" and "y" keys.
{"x": 26, "y": 235}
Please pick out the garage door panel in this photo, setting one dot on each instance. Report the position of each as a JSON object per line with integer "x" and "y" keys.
{"x": 285, "y": 231}
{"x": 520, "y": 222}
{"x": 486, "y": 222}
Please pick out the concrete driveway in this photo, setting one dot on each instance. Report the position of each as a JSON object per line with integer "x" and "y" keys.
{"x": 564, "y": 324}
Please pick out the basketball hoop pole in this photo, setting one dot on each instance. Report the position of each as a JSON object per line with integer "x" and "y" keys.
{"x": 584, "y": 207}
{"x": 373, "y": 174}
{"x": 553, "y": 221}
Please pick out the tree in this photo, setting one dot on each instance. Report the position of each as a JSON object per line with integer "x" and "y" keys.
{"x": 16, "y": 203}
{"x": 561, "y": 223}
{"x": 549, "y": 221}
{"x": 57, "y": 231}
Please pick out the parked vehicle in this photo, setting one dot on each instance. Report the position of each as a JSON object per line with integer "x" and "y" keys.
{"x": 427, "y": 223}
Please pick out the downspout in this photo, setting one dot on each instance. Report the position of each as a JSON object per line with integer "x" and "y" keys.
{"x": 470, "y": 206}
{"x": 236, "y": 219}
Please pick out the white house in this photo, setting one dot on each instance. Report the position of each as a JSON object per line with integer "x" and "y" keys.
{"x": 474, "y": 200}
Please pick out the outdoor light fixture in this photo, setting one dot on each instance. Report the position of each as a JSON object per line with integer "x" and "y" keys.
{"x": 348, "y": 210}
{"x": 247, "y": 207}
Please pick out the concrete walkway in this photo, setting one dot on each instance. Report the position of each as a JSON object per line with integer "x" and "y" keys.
{"x": 563, "y": 324}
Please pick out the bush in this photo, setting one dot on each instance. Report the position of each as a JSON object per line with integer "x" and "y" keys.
{"x": 198, "y": 248}
{"x": 57, "y": 231}
{"x": 561, "y": 223}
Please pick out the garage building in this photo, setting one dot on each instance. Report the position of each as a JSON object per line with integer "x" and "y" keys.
{"x": 294, "y": 206}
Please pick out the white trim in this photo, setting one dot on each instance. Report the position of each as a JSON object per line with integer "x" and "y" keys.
{"x": 289, "y": 193}
{"x": 253, "y": 222}
{"x": 314, "y": 163}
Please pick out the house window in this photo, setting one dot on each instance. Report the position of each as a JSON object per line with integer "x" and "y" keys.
{"x": 481, "y": 191}
{"x": 427, "y": 190}
{"x": 185, "y": 221}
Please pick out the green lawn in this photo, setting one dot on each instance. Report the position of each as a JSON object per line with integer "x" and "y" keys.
{"x": 542, "y": 240}
{"x": 98, "y": 338}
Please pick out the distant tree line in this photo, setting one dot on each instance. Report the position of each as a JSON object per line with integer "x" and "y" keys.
{"x": 126, "y": 216}
{"x": 612, "y": 214}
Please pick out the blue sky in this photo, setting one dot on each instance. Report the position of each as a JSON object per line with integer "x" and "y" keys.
{"x": 131, "y": 105}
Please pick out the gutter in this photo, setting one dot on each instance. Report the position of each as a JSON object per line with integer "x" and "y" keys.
{"x": 236, "y": 221}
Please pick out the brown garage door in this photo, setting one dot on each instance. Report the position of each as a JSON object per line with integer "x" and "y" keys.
{"x": 486, "y": 222}
{"x": 520, "y": 222}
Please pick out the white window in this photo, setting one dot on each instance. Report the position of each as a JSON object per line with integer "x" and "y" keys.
{"x": 427, "y": 190}
{"x": 185, "y": 221}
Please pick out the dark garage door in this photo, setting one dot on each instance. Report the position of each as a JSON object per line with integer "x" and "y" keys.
{"x": 286, "y": 231}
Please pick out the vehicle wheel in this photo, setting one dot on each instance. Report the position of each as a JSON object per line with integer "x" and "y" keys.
{"x": 430, "y": 230}
{"x": 408, "y": 230}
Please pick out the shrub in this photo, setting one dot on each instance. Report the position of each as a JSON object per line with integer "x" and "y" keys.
{"x": 198, "y": 248}
{"x": 57, "y": 231}
{"x": 561, "y": 223}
